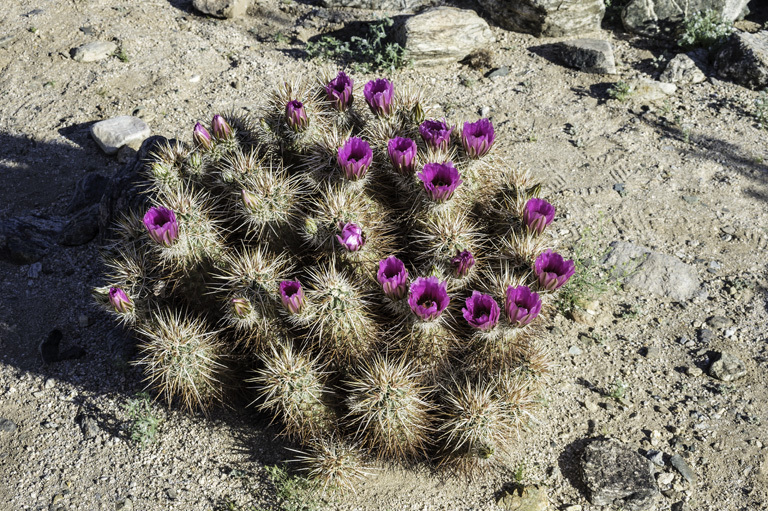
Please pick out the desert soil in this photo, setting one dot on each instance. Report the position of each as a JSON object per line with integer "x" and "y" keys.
{"x": 695, "y": 186}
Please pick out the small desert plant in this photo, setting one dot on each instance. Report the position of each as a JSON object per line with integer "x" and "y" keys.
{"x": 373, "y": 274}
{"x": 144, "y": 422}
{"x": 295, "y": 493}
{"x": 620, "y": 91}
{"x": 761, "y": 109}
{"x": 363, "y": 54}
{"x": 703, "y": 29}
{"x": 618, "y": 391}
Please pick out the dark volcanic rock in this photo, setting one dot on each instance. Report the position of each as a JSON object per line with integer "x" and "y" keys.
{"x": 744, "y": 59}
{"x": 618, "y": 476}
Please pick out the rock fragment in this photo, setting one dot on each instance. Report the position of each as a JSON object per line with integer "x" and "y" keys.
{"x": 443, "y": 35}
{"x": 222, "y": 8}
{"x": 112, "y": 134}
{"x": 727, "y": 368}
{"x": 92, "y": 52}
{"x": 589, "y": 55}
{"x": 547, "y": 18}
{"x": 744, "y": 59}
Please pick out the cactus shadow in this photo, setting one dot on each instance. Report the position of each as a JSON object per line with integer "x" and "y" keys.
{"x": 569, "y": 463}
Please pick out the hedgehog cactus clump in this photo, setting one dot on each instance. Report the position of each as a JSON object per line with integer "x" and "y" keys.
{"x": 373, "y": 276}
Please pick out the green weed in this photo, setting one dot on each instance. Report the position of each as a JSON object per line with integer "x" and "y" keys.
{"x": 620, "y": 91}
{"x": 122, "y": 56}
{"x": 296, "y": 493}
{"x": 618, "y": 391}
{"x": 704, "y": 29}
{"x": 143, "y": 428}
{"x": 362, "y": 54}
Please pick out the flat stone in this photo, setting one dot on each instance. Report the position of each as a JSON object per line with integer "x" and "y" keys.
{"x": 7, "y": 425}
{"x": 744, "y": 59}
{"x": 662, "y": 18}
{"x": 574, "y": 350}
{"x": 549, "y": 18}
{"x": 618, "y": 476}
{"x": 589, "y": 55}
{"x": 656, "y": 457}
{"x": 112, "y": 134}
{"x": 727, "y": 368}
{"x": 92, "y": 52}
{"x": 524, "y": 498}
{"x": 222, "y": 8}
{"x": 680, "y": 464}
{"x": 682, "y": 69}
{"x": 443, "y": 35}
{"x": 124, "y": 505}
{"x": 391, "y": 5}
{"x": 644, "y": 89}
{"x": 646, "y": 270}
{"x": 6, "y": 40}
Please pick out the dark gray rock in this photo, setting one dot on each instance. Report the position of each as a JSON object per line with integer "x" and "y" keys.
{"x": 443, "y": 35}
{"x": 92, "y": 52}
{"x": 618, "y": 476}
{"x": 679, "y": 463}
{"x": 656, "y": 457}
{"x": 646, "y": 270}
{"x": 88, "y": 426}
{"x": 222, "y": 8}
{"x": 82, "y": 228}
{"x": 705, "y": 335}
{"x": 683, "y": 69}
{"x": 589, "y": 55}
{"x": 662, "y": 18}
{"x": 550, "y": 18}
{"x": 727, "y": 368}
{"x": 87, "y": 191}
{"x": 112, "y": 134}
{"x": 7, "y": 425}
{"x": 719, "y": 322}
{"x": 25, "y": 240}
{"x": 744, "y": 59}
{"x": 125, "y": 192}
{"x": 391, "y": 5}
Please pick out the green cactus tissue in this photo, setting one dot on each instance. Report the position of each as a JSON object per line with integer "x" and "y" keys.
{"x": 373, "y": 278}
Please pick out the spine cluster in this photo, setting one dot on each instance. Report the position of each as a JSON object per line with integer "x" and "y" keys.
{"x": 374, "y": 275}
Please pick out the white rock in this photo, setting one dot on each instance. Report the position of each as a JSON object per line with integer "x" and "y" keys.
{"x": 443, "y": 35}
{"x": 94, "y": 51}
{"x": 222, "y": 8}
{"x": 112, "y": 134}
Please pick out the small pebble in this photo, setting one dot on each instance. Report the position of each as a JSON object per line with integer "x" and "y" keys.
{"x": 693, "y": 371}
{"x": 656, "y": 457}
{"x": 172, "y": 493}
{"x": 498, "y": 72}
{"x": 49, "y": 383}
{"x": 194, "y": 79}
{"x": 665, "y": 478}
{"x": 705, "y": 335}
{"x": 574, "y": 350}
{"x": 680, "y": 464}
{"x": 7, "y": 426}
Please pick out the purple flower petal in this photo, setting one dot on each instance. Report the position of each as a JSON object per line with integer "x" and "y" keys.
{"x": 393, "y": 277}
{"x": 440, "y": 180}
{"x": 296, "y": 115}
{"x": 429, "y": 298}
{"x": 292, "y": 296}
{"x": 351, "y": 237}
{"x": 120, "y": 300}
{"x": 202, "y": 137}
{"x": 481, "y": 311}
{"x": 354, "y": 158}
{"x": 436, "y": 134}
{"x": 522, "y": 305}
{"x": 538, "y": 214}
{"x": 161, "y": 225}
{"x": 339, "y": 91}
{"x": 402, "y": 154}
{"x": 477, "y": 138}
{"x": 552, "y": 270}
{"x": 462, "y": 263}
{"x": 379, "y": 95}
{"x": 221, "y": 130}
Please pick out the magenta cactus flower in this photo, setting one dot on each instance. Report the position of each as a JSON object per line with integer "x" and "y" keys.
{"x": 351, "y": 237}
{"x": 292, "y": 296}
{"x": 552, "y": 270}
{"x": 296, "y": 116}
{"x": 477, "y": 138}
{"x": 440, "y": 180}
{"x": 402, "y": 154}
{"x": 339, "y": 91}
{"x": 120, "y": 300}
{"x": 522, "y": 305}
{"x": 429, "y": 298}
{"x": 221, "y": 130}
{"x": 241, "y": 307}
{"x": 379, "y": 95}
{"x": 436, "y": 134}
{"x": 462, "y": 263}
{"x": 162, "y": 225}
{"x": 393, "y": 277}
{"x": 538, "y": 214}
{"x": 481, "y": 311}
{"x": 201, "y": 136}
{"x": 354, "y": 158}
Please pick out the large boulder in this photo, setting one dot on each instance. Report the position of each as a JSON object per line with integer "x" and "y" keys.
{"x": 443, "y": 35}
{"x": 550, "y": 18}
{"x": 663, "y": 17}
{"x": 744, "y": 59}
